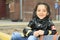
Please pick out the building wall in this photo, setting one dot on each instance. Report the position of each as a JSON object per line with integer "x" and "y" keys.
{"x": 14, "y": 10}
{"x": 28, "y": 7}
{"x": 2, "y": 9}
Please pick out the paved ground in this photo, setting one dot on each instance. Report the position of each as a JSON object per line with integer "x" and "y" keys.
{"x": 9, "y": 27}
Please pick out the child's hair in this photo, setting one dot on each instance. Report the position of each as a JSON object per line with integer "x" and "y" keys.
{"x": 48, "y": 10}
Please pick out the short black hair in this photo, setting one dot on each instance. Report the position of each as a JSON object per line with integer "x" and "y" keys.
{"x": 48, "y": 9}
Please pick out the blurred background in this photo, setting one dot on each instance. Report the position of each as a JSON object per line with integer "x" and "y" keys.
{"x": 15, "y": 14}
{"x": 23, "y": 9}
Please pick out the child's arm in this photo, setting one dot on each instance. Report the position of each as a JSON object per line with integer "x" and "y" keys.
{"x": 50, "y": 31}
{"x": 53, "y": 30}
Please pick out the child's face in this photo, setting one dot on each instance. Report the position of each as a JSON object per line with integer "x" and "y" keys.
{"x": 41, "y": 11}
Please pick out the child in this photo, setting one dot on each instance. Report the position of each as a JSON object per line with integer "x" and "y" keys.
{"x": 40, "y": 24}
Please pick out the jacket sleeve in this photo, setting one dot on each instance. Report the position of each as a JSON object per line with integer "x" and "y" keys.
{"x": 27, "y": 31}
{"x": 31, "y": 24}
{"x": 50, "y": 32}
{"x": 51, "y": 29}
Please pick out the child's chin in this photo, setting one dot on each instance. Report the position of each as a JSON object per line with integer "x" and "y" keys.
{"x": 41, "y": 18}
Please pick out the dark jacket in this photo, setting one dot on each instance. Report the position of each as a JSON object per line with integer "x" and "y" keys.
{"x": 37, "y": 24}
{"x": 44, "y": 24}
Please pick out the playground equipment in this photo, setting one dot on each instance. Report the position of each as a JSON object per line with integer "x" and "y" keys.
{"x": 4, "y": 36}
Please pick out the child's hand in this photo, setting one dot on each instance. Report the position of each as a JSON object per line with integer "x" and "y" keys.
{"x": 36, "y": 33}
{"x": 41, "y": 32}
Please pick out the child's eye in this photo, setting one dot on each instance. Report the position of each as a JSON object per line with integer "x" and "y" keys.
{"x": 44, "y": 10}
{"x": 39, "y": 10}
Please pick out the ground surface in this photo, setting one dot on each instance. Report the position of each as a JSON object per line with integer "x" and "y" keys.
{"x": 9, "y": 27}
